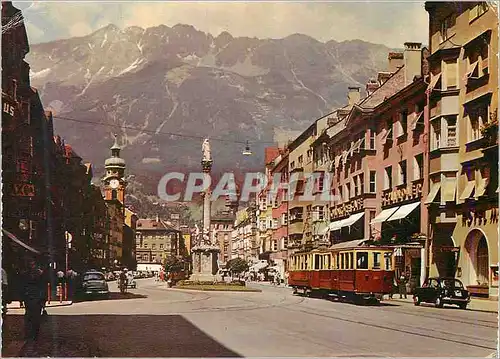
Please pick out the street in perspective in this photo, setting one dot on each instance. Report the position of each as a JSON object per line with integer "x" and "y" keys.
{"x": 206, "y": 179}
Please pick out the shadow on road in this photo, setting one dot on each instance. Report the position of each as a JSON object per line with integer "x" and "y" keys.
{"x": 112, "y": 296}
{"x": 113, "y": 336}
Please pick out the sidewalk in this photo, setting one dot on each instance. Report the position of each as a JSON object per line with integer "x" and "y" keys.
{"x": 478, "y": 305}
{"x": 53, "y": 303}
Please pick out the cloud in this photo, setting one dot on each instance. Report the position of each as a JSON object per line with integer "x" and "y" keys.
{"x": 80, "y": 29}
{"x": 35, "y": 34}
{"x": 389, "y": 23}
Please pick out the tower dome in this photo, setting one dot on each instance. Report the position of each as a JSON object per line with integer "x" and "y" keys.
{"x": 115, "y": 160}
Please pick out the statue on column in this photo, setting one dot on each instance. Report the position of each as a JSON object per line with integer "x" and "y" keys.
{"x": 205, "y": 149}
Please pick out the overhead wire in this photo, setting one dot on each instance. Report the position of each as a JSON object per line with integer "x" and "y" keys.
{"x": 176, "y": 134}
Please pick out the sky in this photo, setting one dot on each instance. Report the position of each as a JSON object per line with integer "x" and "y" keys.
{"x": 390, "y": 23}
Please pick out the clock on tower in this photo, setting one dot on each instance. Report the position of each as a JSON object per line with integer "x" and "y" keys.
{"x": 114, "y": 185}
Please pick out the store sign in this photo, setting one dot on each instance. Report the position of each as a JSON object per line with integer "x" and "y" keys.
{"x": 8, "y": 108}
{"x": 25, "y": 213}
{"x": 447, "y": 249}
{"x": 346, "y": 209}
{"x": 23, "y": 190}
{"x": 402, "y": 194}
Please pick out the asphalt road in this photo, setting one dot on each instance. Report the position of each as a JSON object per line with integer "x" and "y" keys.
{"x": 154, "y": 321}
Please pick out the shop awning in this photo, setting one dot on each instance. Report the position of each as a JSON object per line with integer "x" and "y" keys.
{"x": 18, "y": 241}
{"x": 404, "y": 211}
{"x": 468, "y": 190}
{"x": 382, "y": 216}
{"x": 481, "y": 188}
{"x": 335, "y": 226}
{"x": 449, "y": 189}
{"x": 352, "y": 219}
{"x": 349, "y": 244}
{"x": 433, "y": 192}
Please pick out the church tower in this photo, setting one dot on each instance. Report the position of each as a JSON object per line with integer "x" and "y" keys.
{"x": 113, "y": 181}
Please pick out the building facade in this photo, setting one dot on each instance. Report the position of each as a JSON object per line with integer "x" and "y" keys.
{"x": 155, "y": 241}
{"x": 463, "y": 121}
{"x": 221, "y": 227}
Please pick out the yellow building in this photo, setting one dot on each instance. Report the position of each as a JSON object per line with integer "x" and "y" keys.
{"x": 463, "y": 103}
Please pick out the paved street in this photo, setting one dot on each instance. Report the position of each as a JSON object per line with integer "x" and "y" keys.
{"x": 161, "y": 322}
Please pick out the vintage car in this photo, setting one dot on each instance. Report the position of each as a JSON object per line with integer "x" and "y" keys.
{"x": 442, "y": 291}
{"x": 94, "y": 283}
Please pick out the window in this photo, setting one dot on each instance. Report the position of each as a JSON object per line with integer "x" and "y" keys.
{"x": 451, "y": 75}
{"x": 478, "y": 10}
{"x": 446, "y": 26}
{"x": 402, "y": 124}
{"x": 373, "y": 136}
{"x": 451, "y": 131}
{"x": 351, "y": 260}
{"x": 373, "y": 181}
{"x": 478, "y": 117}
{"x": 356, "y": 186}
{"x": 418, "y": 167}
{"x": 284, "y": 219}
{"x": 435, "y": 135}
{"x": 376, "y": 260}
{"x": 347, "y": 191}
{"x": 292, "y": 164}
{"x": 362, "y": 260}
{"x": 321, "y": 213}
{"x": 145, "y": 245}
{"x": 388, "y": 178}
{"x": 153, "y": 246}
{"x": 114, "y": 194}
{"x": 402, "y": 178}
{"x": 301, "y": 159}
{"x": 388, "y": 261}
{"x": 361, "y": 184}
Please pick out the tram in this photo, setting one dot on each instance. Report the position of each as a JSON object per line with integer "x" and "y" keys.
{"x": 346, "y": 270}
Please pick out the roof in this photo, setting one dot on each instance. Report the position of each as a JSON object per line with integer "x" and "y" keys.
{"x": 395, "y": 83}
{"x": 271, "y": 153}
{"x": 154, "y": 225}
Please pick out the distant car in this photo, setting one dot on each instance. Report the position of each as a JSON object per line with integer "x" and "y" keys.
{"x": 442, "y": 291}
{"x": 94, "y": 283}
{"x": 131, "y": 282}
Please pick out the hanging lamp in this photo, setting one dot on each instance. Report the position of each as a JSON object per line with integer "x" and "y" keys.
{"x": 247, "y": 151}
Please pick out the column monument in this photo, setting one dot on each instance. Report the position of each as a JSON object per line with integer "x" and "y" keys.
{"x": 205, "y": 253}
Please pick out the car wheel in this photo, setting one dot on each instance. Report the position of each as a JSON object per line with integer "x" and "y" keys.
{"x": 416, "y": 300}
{"x": 463, "y": 306}
{"x": 438, "y": 302}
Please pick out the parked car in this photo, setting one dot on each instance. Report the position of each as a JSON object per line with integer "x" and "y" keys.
{"x": 94, "y": 283}
{"x": 442, "y": 291}
{"x": 131, "y": 282}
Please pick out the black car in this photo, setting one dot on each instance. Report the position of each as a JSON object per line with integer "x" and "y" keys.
{"x": 94, "y": 283}
{"x": 442, "y": 291}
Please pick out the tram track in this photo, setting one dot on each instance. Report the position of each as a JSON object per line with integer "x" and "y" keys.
{"x": 399, "y": 329}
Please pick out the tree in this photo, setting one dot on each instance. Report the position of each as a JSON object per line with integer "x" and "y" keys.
{"x": 173, "y": 264}
{"x": 237, "y": 265}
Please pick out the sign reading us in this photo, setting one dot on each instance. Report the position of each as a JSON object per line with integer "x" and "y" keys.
{"x": 8, "y": 108}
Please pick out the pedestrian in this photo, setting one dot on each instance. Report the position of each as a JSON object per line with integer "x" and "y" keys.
{"x": 32, "y": 294}
{"x": 402, "y": 286}
{"x": 277, "y": 279}
{"x": 5, "y": 292}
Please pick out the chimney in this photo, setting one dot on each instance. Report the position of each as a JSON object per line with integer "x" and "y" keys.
{"x": 396, "y": 60}
{"x": 353, "y": 96}
{"x": 383, "y": 77}
{"x": 413, "y": 61}
{"x": 371, "y": 86}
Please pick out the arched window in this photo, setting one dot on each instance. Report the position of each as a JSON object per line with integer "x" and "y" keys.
{"x": 114, "y": 194}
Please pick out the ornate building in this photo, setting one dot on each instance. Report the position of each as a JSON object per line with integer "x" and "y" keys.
{"x": 463, "y": 121}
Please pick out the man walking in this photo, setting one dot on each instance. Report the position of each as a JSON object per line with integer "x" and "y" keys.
{"x": 32, "y": 294}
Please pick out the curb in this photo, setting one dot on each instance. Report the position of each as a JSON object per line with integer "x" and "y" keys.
{"x": 471, "y": 309}
{"x": 51, "y": 305}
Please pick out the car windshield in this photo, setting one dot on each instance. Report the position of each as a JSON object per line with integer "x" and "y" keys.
{"x": 93, "y": 276}
{"x": 448, "y": 283}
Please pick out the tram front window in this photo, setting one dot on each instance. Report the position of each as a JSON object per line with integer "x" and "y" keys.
{"x": 376, "y": 260}
{"x": 362, "y": 260}
{"x": 388, "y": 261}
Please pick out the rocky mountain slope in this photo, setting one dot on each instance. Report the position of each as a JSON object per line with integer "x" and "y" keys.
{"x": 145, "y": 83}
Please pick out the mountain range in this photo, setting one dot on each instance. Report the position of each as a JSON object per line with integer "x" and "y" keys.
{"x": 148, "y": 84}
